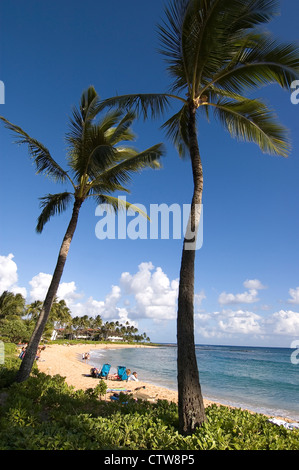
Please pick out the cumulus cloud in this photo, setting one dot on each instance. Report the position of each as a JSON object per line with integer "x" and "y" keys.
{"x": 247, "y": 297}
{"x": 240, "y": 322}
{"x": 150, "y": 294}
{"x": 229, "y": 323}
{"x": 147, "y": 293}
{"x": 253, "y": 284}
{"x": 154, "y": 294}
{"x": 9, "y": 276}
{"x": 286, "y": 322}
{"x": 107, "y": 308}
{"x": 40, "y": 284}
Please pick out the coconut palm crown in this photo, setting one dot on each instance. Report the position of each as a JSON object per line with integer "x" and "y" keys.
{"x": 100, "y": 163}
{"x": 217, "y": 52}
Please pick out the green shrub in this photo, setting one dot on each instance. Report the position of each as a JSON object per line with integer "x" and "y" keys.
{"x": 11, "y": 365}
{"x": 44, "y": 413}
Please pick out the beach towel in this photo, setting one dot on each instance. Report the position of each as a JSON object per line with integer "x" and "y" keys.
{"x": 285, "y": 424}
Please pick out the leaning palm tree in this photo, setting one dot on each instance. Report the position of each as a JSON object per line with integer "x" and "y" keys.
{"x": 216, "y": 52}
{"x": 98, "y": 166}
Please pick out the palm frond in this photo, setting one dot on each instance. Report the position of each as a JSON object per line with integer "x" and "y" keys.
{"x": 131, "y": 161}
{"x": 102, "y": 138}
{"x": 105, "y": 187}
{"x": 99, "y": 158}
{"x": 259, "y": 61}
{"x": 89, "y": 107}
{"x": 122, "y": 132}
{"x": 52, "y": 204}
{"x": 39, "y": 153}
{"x": 256, "y": 12}
{"x": 177, "y": 130}
{"x": 144, "y": 105}
{"x": 253, "y": 121}
{"x": 118, "y": 204}
{"x": 199, "y": 38}
{"x": 79, "y": 130}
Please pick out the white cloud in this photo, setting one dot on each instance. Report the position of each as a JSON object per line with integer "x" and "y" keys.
{"x": 155, "y": 295}
{"x": 228, "y": 323}
{"x": 247, "y": 297}
{"x": 286, "y": 322}
{"x": 294, "y": 293}
{"x": 107, "y": 309}
{"x": 240, "y": 322}
{"x": 9, "y": 276}
{"x": 40, "y": 284}
{"x": 253, "y": 284}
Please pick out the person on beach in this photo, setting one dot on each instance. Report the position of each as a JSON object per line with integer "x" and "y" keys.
{"x": 94, "y": 372}
{"x": 133, "y": 376}
{"x": 22, "y": 353}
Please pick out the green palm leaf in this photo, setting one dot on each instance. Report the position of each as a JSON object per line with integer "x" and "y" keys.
{"x": 118, "y": 204}
{"x": 44, "y": 162}
{"x": 262, "y": 62}
{"x": 252, "y": 121}
{"x": 153, "y": 104}
{"x": 52, "y": 204}
{"x": 176, "y": 129}
{"x": 127, "y": 163}
{"x": 122, "y": 131}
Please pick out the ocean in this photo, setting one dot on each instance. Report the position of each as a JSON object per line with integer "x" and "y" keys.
{"x": 263, "y": 380}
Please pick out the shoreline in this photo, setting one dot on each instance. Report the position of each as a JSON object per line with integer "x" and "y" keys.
{"x": 66, "y": 360}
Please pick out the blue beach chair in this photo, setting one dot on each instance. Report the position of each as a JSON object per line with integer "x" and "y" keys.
{"x": 122, "y": 373}
{"x": 105, "y": 371}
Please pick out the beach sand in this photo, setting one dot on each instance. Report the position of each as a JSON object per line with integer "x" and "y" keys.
{"x": 66, "y": 360}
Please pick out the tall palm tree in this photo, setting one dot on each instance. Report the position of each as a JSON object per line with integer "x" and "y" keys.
{"x": 60, "y": 317}
{"x": 216, "y": 52}
{"x": 98, "y": 166}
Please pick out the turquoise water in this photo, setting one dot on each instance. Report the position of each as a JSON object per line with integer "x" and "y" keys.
{"x": 260, "y": 379}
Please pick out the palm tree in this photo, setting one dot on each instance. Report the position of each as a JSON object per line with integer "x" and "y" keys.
{"x": 216, "y": 52}
{"x": 11, "y": 305}
{"x": 33, "y": 310}
{"x": 60, "y": 317}
{"x": 60, "y": 313}
{"x": 98, "y": 166}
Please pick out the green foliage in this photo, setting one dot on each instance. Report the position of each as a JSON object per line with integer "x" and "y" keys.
{"x": 44, "y": 413}
{"x": 15, "y": 330}
{"x": 11, "y": 364}
{"x": 17, "y": 322}
{"x": 101, "y": 388}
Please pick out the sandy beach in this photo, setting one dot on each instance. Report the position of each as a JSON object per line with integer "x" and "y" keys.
{"x": 66, "y": 360}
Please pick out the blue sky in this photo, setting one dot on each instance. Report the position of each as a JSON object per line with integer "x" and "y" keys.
{"x": 247, "y": 271}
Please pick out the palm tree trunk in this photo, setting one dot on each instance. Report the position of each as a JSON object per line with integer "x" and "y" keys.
{"x": 27, "y": 362}
{"x": 191, "y": 407}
